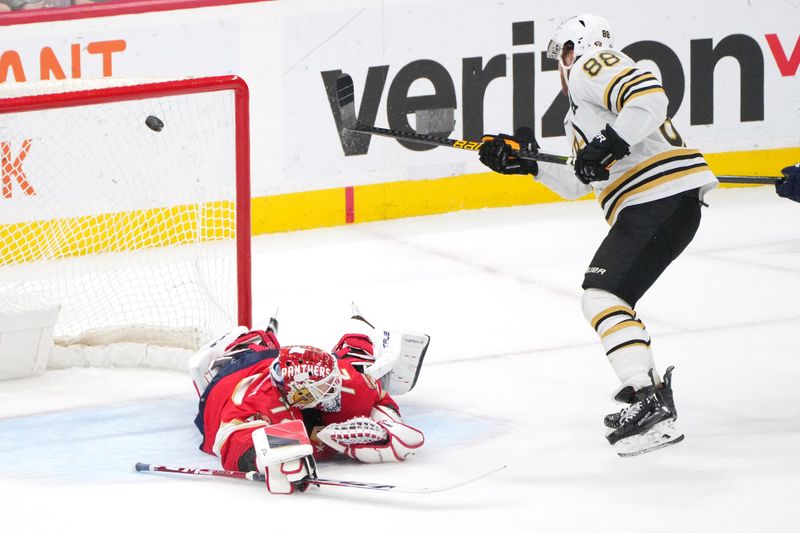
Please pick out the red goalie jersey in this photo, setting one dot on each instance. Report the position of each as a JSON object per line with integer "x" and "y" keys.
{"x": 251, "y": 390}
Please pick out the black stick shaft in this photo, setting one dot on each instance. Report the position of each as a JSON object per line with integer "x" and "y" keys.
{"x": 752, "y": 180}
{"x": 456, "y": 143}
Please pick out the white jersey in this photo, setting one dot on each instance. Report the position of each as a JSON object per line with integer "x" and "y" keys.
{"x": 606, "y": 87}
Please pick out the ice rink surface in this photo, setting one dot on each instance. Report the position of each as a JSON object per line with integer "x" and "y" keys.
{"x": 514, "y": 376}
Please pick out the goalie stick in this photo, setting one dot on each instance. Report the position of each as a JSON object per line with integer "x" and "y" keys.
{"x": 345, "y": 101}
{"x": 259, "y": 477}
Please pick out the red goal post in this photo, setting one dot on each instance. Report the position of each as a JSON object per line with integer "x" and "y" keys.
{"x": 94, "y": 199}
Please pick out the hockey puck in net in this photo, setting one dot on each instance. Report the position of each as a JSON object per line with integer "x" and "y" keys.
{"x": 154, "y": 123}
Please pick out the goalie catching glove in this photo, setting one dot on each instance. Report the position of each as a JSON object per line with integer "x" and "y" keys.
{"x": 285, "y": 456}
{"x": 381, "y": 438}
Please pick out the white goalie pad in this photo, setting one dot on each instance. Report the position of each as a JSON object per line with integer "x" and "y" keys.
{"x": 201, "y": 364}
{"x": 398, "y": 358}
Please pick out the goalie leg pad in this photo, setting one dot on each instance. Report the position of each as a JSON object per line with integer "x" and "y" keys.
{"x": 285, "y": 455}
{"x": 398, "y": 359}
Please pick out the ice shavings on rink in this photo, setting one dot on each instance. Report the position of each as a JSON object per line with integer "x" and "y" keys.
{"x": 513, "y": 376}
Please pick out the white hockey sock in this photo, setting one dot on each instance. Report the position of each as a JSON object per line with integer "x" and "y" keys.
{"x": 632, "y": 365}
{"x": 624, "y": 337}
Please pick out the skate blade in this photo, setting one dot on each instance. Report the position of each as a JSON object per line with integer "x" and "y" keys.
{"x": 659, "y": 436}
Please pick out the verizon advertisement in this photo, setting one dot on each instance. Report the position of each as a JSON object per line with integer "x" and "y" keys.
{"x": 730, "y": 69}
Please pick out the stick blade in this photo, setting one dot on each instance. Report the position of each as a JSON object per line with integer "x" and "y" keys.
{"x": 346, "y": 101}
{"x": 437, "y": 122}
{"x": 346, "y": 107}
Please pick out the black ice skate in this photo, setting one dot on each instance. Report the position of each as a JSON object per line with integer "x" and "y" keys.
{"x": 648, "y": 423}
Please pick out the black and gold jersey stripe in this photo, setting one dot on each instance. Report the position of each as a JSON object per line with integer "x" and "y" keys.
{"x": 654, "y": 181}
{"x": 662, "y": 169}
{"x": 612, "y": 85}
{"x": 643, "y": 84}
{"x": 623, "y": 182}
{"x": 628, "y": 84}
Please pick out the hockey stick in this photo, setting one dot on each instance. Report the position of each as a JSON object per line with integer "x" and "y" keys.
{"x": 259, "y": 477}
{"x": 250, "y": 476}
{"x": 751, "y": 180}
{"x": 345, "y": 99}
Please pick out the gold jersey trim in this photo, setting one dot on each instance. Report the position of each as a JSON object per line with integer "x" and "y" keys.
{"x": 641, "y": 92}
{"x": 666, "y": 178}
{"x": 610, "y": 87}
{"x": 619, "y": 183}
{"x": 644, "y": 77}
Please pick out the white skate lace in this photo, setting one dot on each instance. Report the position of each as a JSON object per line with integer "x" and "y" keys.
{"x": 630, "y": 412}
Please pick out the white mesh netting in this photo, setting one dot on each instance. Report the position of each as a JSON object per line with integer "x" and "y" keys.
{"x": 131, "y": 230}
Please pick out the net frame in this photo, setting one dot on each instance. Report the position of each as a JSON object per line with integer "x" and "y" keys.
{"x": 157, "y": 89}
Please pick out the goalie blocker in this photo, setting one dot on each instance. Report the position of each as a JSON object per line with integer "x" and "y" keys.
{"x": 285, "y": 456}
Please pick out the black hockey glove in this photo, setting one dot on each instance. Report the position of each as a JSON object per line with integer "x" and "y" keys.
{"x": 594, "y": 160}
{"x": 495, "y": 152}
{"x": 789, "y": 186}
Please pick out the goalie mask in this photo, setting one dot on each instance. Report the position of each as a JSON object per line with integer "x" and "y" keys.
{"x": 580, "y": 33}
{"x": 307, "y": 377}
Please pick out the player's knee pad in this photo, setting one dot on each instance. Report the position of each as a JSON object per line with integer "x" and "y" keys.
{"x": 614, "y": 321}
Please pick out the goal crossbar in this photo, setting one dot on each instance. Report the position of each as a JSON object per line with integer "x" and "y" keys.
{"x": 158, "y": 89}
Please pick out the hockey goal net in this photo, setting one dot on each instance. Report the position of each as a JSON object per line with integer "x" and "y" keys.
{"x": 141, "y": 234}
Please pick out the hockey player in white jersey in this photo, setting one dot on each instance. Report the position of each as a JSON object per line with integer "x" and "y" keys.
{"x": 650, "y": 187}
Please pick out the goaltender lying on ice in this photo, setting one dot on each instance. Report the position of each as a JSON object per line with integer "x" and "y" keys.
{"x": 277, "y": 409}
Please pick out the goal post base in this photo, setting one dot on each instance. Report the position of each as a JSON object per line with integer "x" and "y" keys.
{"x": 26, "y": 336}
